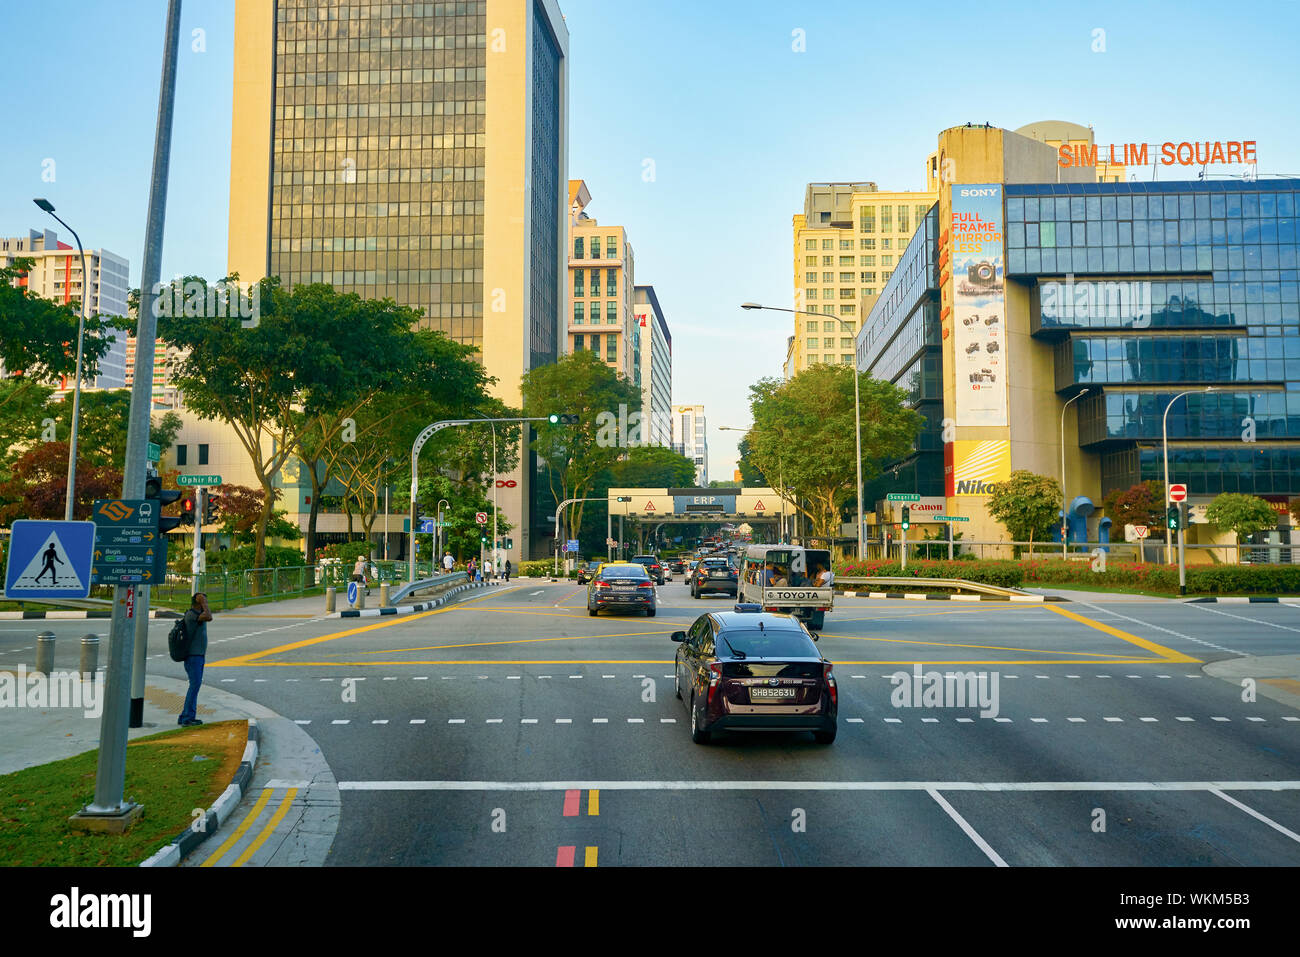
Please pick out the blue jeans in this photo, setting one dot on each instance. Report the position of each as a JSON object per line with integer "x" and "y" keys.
{"x": 193, "y": 668}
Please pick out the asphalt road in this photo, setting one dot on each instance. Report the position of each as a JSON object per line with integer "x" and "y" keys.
{"x": 510, "y": 728}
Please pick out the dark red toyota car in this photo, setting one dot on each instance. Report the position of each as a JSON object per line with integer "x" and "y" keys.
{"x": 754, "y": 671}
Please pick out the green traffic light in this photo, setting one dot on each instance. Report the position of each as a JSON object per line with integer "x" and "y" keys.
{"x": 553, "y": 419}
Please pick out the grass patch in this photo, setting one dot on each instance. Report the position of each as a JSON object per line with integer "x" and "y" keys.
{"x": 162, "y": 773}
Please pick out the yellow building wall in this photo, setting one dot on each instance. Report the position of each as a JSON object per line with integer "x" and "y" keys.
{"x": 250, "y": 137}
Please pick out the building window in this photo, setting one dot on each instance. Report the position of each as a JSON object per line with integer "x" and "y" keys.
{"x": 866, "y": 244}
{"x": 595, "y": 247}
{"x": 579, "y": 287}
{"x": 868, "y": 292}
{"x": 828, "y": 244}
{"x": 828, "y": 277}
{"x": 866, "y": 277}
{"x": 810, "y": 325}
{"x": 203, "y": 454}
{"x": 182, "y": 455}
{"x": 846, "y": 244}
{"x": 886, "y": 244}
{"x": 847, "y": 293}
{"x": 611, "y": 348}
{"x": 902, "y": 220}
{"x": 846, "y": 277}
{"x": 595, "y": 342}
{"x": 886, "y": 260}
{"x": 577, "y": 247}
{"x": 810, "y": 244}
{"x": 611, "y": 247}
{"x": 867, "y": 219}
{"x": 611, "y": 312}
{"x": 579, "y": 312}
{"x": 828, "y": 260}
{"x": 611, "y": 282}
{"x": 846, "y": 343}
{"x": 847, "y": 260}
{"x": 866, "y": 260}
{"x": 812, "y": 343}
{"x": 595, "y": 282}
{"x": 920, "y": 215}
{"x": 848, "y": 310}
{"x": 810, "y": 261}
{"x": 577, "y": 342}
{"x": 810, "y": 294}
{"x": 828, "y": 326}
{"x": 847, "y": 360}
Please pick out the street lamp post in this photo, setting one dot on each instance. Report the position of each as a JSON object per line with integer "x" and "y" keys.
{"x": 1164, "y": 436}
{"x": 46, "y": 205}
{"x": 439, "y": 537}
{"x": 857, "y": 415}
{"x": 1065, "y": 498}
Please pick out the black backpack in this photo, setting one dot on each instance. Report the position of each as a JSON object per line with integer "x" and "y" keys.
{"x": 178, "y": 641}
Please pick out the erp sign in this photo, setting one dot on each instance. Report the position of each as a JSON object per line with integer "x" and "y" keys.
{"x": 704, "y": 503}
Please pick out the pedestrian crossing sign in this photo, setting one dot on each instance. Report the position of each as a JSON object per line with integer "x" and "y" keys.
{"x": 49, "y": 559}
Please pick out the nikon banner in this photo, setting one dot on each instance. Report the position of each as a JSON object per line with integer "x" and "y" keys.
{"x": 979, "y": 305}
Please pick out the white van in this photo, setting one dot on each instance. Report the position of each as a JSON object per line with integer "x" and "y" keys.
{"x": 782, "y": 578}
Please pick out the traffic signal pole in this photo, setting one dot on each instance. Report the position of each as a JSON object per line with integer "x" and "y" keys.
{"x": 1182, "y": 549}
{"x": 108, "y": 808}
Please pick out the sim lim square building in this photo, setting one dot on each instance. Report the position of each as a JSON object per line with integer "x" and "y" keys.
{"x": 1028, "y": 283}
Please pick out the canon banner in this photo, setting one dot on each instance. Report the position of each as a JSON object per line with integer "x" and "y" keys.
{"x": 979, "y": 313}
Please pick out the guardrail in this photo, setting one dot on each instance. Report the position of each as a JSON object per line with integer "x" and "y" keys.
{"x": 908, "y": 581}
{"x": 1150, "y": 551}
{"x": 421, "y": 585}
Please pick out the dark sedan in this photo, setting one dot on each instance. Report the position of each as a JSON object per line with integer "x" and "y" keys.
{"x": 624, "y": 586}
{"x": 751, "y": 671}
{"x": 652, "y": 565}
{"x": 714, "y": 575}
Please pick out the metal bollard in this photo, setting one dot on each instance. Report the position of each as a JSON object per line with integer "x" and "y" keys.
{"x": 89, "y": 655}
{"x": 383, "y": 594}
{"x": 329, "y": 599}
{"x": 361, "y": 596}
{"x": 45, "y": 652}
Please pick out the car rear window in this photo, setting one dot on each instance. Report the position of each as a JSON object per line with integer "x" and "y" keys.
{"x": 625, "y": 571}
{"x": 770, "y": 644}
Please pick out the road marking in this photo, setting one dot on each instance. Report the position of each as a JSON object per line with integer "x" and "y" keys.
{"x": 1255, "y": 814}
{"x": 1168, "y": 654}
{"x": 1184, "y": 719}
{"x": 782, "y": 785}
{"x": 564, "y": 855}
{"x": 571, "y": 797}
{"x": 527, "y": 720}
{"x": 600, "y": 720}
{"x": 302, "y": 721}
{"x": 1157, "y": 719}
{"x": 674, "y": 720}
{"x": 929, "y": 720}
{"x": 1248, "y": 719}
{"x": 590, "y": 858}
{"x": 495, "y": 720}
{"x": 340, "y": 721}
{"x": 982, "y": 844}
{"x": 893, "y": 721}
{"x": 564, "y": 721}
{"x": 455, "y": 720}
{"x": 1039, "y": 720}
{"x": 1112, "y": 719}
{"x": 417, "y": 721}
{"x": 1257, "y": 621}
{"x": 1168, "y": 631}
{"x": 1076, "y": 720}
{"x": 380, "y": 721}
{"x": 534, "y": 594}
{"x": 593, "y": 802}
{"x": 636, "y": 720}
{"x": 965, "y": 720}
{"x": 1219, "y": 719}
{"x": 854, "y": 720}
{"x": 239, "y": 831}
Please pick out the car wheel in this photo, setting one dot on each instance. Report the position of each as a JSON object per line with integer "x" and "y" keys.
{"x": 591, "y": 612}
{"x": 650, "y": 612}
{"x": 698, "y": 735}
{"x": 677, "y": 682}
{"x": 825, "y": 737}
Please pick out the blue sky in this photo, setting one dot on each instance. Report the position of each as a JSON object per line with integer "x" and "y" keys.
{"x": 735, "y": 121}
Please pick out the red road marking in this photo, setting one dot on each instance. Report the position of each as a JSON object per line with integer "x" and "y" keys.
{"x": 571, "y": 803}
{"x": 564, "y": 856}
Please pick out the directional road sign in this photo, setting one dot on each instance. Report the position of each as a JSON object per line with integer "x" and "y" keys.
{"x": 903, "y": 497}
{"x": 199, "y": 480}
{"x": 352, "y": 593}
{"x": 428, "y": 526}
{"x": 128, "y": 545}
{"x": 49, "y": 559}
{"x": 951, "y": 518}
{"x": 1177, "y": 493}
{"x": 571, "y": 545}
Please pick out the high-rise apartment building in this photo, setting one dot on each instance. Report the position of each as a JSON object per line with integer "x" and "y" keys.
{"x": 602, "y": 277}
{"x": 56, "y": 275}
{"x": 691, "y": 440}
{"x": 846, "y": 243}
{"x": 656, "y": 368}
{"x": 416, "y": 152}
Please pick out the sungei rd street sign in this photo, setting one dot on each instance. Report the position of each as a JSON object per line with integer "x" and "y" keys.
{"x": 199, "y": 480}
{"x": 902, "y": 497}
{"x": 49, "y": 559}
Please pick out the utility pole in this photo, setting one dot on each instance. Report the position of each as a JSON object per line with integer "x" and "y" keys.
{"x": 110, "y": 775}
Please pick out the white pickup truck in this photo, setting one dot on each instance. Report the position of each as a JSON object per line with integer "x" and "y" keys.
{"x": 782, "y": 578}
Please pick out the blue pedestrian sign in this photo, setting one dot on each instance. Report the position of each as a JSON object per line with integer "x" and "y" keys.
{"x": 352, "y": 593}
{"x": 49, "y": 559}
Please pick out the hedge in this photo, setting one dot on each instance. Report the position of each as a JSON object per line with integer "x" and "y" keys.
{"x": 241, "y": 558}
{"x": 1201, "y": 579}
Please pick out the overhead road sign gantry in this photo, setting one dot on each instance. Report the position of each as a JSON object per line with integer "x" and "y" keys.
{"x": 49, "y": 559}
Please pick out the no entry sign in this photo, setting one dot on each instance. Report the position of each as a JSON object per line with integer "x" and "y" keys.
{"x": 1178, "y": 493}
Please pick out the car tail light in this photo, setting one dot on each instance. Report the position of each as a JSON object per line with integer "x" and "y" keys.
{"x": 715, "y": 676}
{"x": 830, "y": 683}
{"x": 646, "y": 585}
{"x": 601, "y": 584}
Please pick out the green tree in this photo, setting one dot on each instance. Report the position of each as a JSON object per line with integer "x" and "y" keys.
{"x": 38, "y": 337}
{"x": 750, "y": 474}
{"x": 315, "y": 355}
{"x": 653, "y": 466}
{"x": 25, "y": 405}
{"x": 803, "y": 436}
{"x": 1244, "y": 515}
{"x": 1028, "y": 504}
{"x": 1142, "y": 504}
{"x": 574, "y": 455}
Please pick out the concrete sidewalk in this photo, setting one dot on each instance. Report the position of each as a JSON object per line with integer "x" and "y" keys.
{"x": 1276, "y": 676}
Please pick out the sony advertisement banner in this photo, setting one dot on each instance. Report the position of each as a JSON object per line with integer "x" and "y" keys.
{"x": 979, "y": 305}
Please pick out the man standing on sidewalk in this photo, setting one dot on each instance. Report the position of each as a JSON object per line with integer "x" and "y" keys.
{"x": 448, "y": 563}
{"x": 196, "y": 627}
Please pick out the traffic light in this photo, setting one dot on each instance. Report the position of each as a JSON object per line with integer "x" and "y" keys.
{"x": 483, "y": 539}
{"x": 153, "y": 490}
{"x": 211, "y": 503}
{"x": 1171, "y": 518}
{"x": 556, "y": 418}
{"x": 624, "y": 498}
{"x": 907, "y": 518}
{"x": 510, "y": 543}
{"x": 187, "y": 511}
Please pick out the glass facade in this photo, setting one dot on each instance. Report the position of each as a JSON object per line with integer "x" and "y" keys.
{"x": 378, "y": 154}
{"x": 900, "y": 343}
{"x": 1167, "y": 287}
